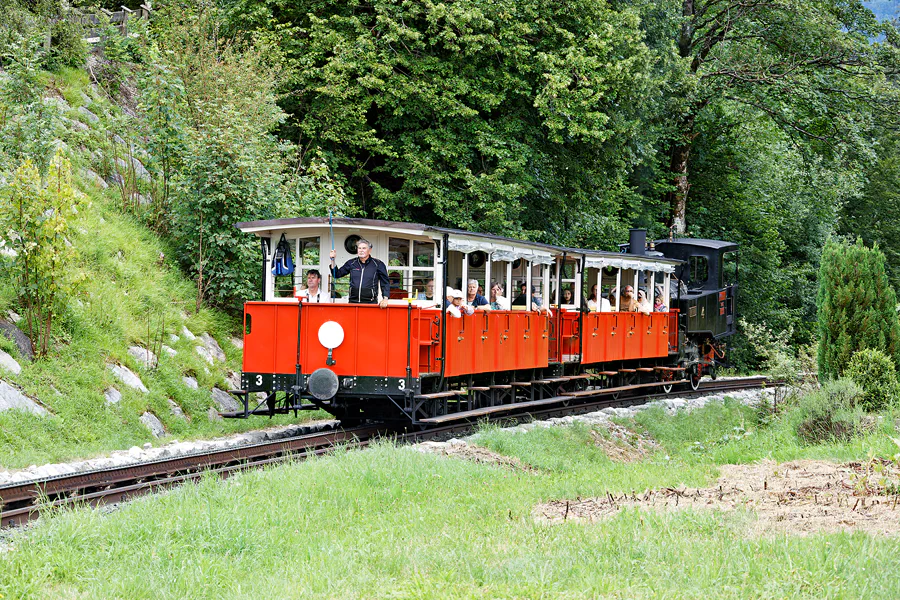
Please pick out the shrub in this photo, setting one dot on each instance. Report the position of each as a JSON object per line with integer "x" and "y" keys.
{"x": 67, "y": 46}
{"x": 857, "y": 306}
{"x": 875, "y": 373}
{"x": 829, "y": 413}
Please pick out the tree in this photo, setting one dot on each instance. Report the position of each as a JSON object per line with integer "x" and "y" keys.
{"x": 519, "y": 117}
{"x": 857, "y": 307}
{"x": 34, "y": 220}
{"x": 810, "y": 67}
{"x": 211, "y": 108}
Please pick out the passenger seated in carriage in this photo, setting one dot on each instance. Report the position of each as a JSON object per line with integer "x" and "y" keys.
{"x": 498, "y": 302}
{"x": 474, "y": 299}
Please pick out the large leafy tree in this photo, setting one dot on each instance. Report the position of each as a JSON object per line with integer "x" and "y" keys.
{"x": 811, "y": 67}
{"x": 517, "y": 116}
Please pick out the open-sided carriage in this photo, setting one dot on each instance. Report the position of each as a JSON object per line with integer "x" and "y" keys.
{"x": 413, "y": 361}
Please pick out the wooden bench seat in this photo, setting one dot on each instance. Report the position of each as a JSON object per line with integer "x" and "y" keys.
{"x": 446, "y": 394}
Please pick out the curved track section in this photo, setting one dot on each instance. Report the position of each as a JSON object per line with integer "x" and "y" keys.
{"x": 23, "y": 502}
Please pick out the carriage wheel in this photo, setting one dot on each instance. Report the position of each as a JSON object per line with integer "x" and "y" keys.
{"x": 667, "y": 376}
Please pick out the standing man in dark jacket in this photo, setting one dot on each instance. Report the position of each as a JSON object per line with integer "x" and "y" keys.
{"x": 366, "y": 274}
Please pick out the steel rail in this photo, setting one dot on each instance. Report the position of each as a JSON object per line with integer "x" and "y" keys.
{"x": 25, "y": 501}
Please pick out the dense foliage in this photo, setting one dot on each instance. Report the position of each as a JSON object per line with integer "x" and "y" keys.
{"x": 875, "y": 373}
{"x": 857, "y": 307}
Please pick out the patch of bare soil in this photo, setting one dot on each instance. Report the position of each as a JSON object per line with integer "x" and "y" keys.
{"x": 457, "y": 449}
{"x": 623, "y": 444}
{"x": 800, "y": 497}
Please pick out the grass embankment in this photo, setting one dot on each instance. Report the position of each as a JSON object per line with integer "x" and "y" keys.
{"x": 127, "y": 290}
{"x": 393, "y": 522}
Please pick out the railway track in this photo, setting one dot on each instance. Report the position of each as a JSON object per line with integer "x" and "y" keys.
{"x": 25, "y": 501}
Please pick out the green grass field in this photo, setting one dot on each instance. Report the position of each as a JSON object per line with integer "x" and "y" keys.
{"x": 392, "y": 522}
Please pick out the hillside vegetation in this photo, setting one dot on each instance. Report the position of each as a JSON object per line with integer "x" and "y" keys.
{"x": 132, "y": 293}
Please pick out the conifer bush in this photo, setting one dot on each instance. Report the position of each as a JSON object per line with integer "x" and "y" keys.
{"x": 856, "y": 307}
{"x": 875, "y": 373}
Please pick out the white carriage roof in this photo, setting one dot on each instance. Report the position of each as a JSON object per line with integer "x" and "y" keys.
{"x": 501, "y": 248}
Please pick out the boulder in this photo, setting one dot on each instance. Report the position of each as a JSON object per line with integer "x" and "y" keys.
{"x": 22, "y": 341}
{"x": 173, "y": 338}
{"x": 187, "y": 333}
{"x": 112, "y": 395}
{"x": 204, "y": 353}
{"x": 233, "y": 380}
{"x": 153, "y": 423}
{"x": 118, "y": 139}
{"x": 9, "y": 363}
{"x": 127, "y": 376}
{"x": 169, "y": 351}
{"x": 213, "y": 415}
{"x": 85, "y": 99}
{"x": 144, "y": 356}
{"x": 213, "y": 346}
{"x": 11, "y": 398}
{"x": 115, "y": 179}
{"x": 88, "y": 115}
{"x": 237, "y": 343}
{"x": 190, "y": 382}
{"x": 175, "y": 409}
{"x": 139, "y": 170}
{"x": 13, "y": 316}
{"x": 76, "y": 124}
{"x": 225, "y": 401}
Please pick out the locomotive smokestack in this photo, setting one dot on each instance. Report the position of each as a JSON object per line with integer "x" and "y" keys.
{"x": 637, "y": 241}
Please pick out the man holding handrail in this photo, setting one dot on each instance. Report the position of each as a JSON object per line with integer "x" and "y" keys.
{"x": 367, "y": 273}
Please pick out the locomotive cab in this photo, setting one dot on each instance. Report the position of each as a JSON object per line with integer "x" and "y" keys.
{"x": 708, "y": 284}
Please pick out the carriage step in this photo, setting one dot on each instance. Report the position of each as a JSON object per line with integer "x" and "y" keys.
{"x": 623, "y": 388}
{"x": 669, "y": 368}
{"x": 446, "y": 394}
{"x": 645, "y": 369}
{"x": 521, "y": 383}
{"x": 501, "y": 387}
{"x": 608, "y": 373}
{"x": 627, "y": 370}
{"x": 478, "y": 412}
{"x": 479, "y": 388}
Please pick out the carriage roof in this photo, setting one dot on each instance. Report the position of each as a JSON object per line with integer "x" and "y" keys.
{"x": 460, "y": 240}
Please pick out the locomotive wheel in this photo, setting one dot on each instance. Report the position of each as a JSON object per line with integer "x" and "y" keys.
{"x": 695, "y": 378}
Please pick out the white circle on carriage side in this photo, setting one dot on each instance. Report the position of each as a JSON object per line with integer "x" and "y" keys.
{"x": 331, "y": 334}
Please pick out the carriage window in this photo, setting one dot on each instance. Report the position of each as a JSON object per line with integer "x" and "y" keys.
{"x": 699, "y": 269}
{"x": 398, "y": 253}
{"x": 730, "y": 268}
{"x": 423, "y": 254}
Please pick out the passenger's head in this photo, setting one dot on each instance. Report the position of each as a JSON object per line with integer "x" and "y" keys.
{"x": 363, "y": 248}
{"x": 567, "y": 295}
{"x": 594, "y": 292}
{"x": 394, "y": 278}
{"x": 429, "y": 287}
{"x": 313, "y": 278}
{"x": 641, "y": 295}
{"x": 628, "y": 292}
{"x": 457, "y": 297}
{"x": 472, "y": 287}
{"x": 449, "y": 294}
{"x": 496, "y": 290}
{"x": 522, "y": 287}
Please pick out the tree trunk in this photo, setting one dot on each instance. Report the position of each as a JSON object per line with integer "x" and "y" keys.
{"x": 678, "y": 166}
